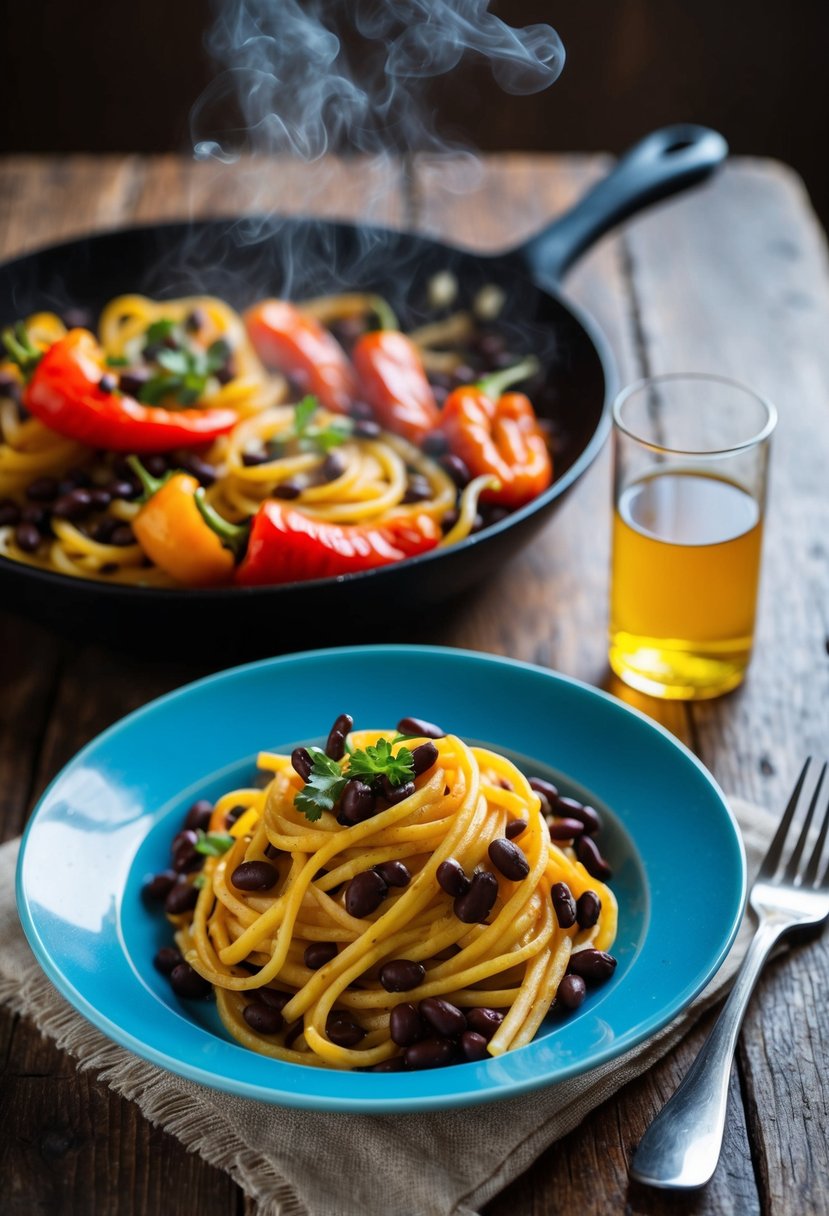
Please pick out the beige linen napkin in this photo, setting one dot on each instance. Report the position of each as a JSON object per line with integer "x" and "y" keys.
{"x": 301, "y": 1163}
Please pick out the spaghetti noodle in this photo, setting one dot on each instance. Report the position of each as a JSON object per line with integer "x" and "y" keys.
{"x": 402, "y": 922}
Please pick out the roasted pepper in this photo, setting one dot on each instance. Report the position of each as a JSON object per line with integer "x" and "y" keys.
{"x": 393, "y": 379}
{"x": 286, "y": 546}
{"x": 172, "y": 530}
{"x": 499, "y": 434}
{"x": 65, "y": 391}
{"x": 296, "y": 344}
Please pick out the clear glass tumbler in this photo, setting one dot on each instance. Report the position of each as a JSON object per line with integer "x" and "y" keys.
{"x": 690, "y": 474}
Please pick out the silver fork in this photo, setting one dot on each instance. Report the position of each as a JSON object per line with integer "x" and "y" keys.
{"x": 681, "y": 1147}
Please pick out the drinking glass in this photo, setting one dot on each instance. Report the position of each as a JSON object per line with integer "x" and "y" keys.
{"x": 691, "y": 455}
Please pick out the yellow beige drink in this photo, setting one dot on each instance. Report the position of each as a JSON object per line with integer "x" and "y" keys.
{"x": 691, "y": 458}
{"x": 684, "y": 588}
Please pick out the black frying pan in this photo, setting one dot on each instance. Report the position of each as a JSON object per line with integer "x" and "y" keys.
{"x": 245, "y": 259}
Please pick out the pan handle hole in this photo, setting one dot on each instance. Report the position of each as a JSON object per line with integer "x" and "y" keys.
{"x": 679, "y": 145}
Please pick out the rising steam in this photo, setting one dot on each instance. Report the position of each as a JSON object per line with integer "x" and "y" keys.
{"x": 287, "y": 75}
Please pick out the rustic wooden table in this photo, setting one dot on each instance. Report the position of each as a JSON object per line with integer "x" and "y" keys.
{"x": 732, "y": 279}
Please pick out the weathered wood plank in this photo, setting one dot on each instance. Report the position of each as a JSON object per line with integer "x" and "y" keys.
{"x": 696, "y": 281}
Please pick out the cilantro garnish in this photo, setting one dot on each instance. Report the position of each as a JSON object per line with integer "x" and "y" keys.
{"x": 184, "y": 369}
{"x": 378, "y": 761}
{"x": 327, "y": 778}
{"x": 213, "y": 844}
{"x": 315, "y": 438}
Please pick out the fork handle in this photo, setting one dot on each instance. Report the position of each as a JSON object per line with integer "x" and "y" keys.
{"x": 681, "y": 1147}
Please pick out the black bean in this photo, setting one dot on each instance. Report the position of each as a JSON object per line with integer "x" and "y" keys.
{"x": 255, "y": 876}
{"x": 294, "y": 1031}
{"x": 198, "y": 815}
{"x": 333, "y": 466}
{"x": 123, "y": 489}
{"x": 250, "y": 459}
{"x": 43, "y": 489}
{"x": 188, "y": 983}
{"x": 473, "y": 1046}
{"x": 396, "y": 793}
{"x": 288, "y": 490}
{"x": 36, "y": 514}
{"x": 423, "y": 757}
{"x": 588, "y": 854}
{"x": 365, "y": 893}
{"x": 9, "y": 513}
{"x": 571, "y": 991}
{"x": 395, "y": 1064}
{"x": 564, "y": 904}
{"x": 77, "y": 477}
{"x": 156, "y": 464}
{"x": 515, "y": 828}
{"x": 271, "y": 851}
{"x": 342, "y": 1030}
{"x": 362, "y": 411}
{"x": 104, "y": 530}
{"x": 158, "y": 887}
{"x": 588, "y": 908}
{"x": 475, "y": 905}
{"x": 366, "y": 428}
{"x": 132, "y": 381}
{"x": 203, "y": 472}
{"x": 484, "y": 1021}
{"x": 184, "y": 852}
{"x": 449, "y": 519}
{"x": 335, "y": 746}
{"x": 435, "y": 444}
{"x": 418, "y": 489}
{"x": 183, "y": 897}
{"x": 452, "y": 878}
{"x": 318, "y": 954}
{"x": 546, "y": 791}
{"x": 594, "y": 965}
{"x": 509, "y": 859}
{"x": 569, "y": 808}
{"x": 232, "y": 815}
{"x": 99, "y": 498}
{"x": 107, "y": 383}
{"x": 420, "y": 728}
{"x": 444, "y": 1017}
{"x": 406, "y": 1025}
{"x": 493, "y": 514}
{"x": 456, "y": 468}
{"x": 226, "y": 372}
{"x": 394, "y": 873}
{"x": 565, "y": 829}
{"x": 262, "y": 1018}
{"x": 357, "y": 802}
{"x": 167, "y": 959}
{"x": 195, "y": 320}
{"x": 73, "y": 505}
{"x": 9, "y": 386}
{"x": 440, "y": 394}
{"x": 273, "y": 998}
{"x": 401, "y": 975}
{"x": 122, "y": 536}
{"x": 430, "y": 1053}
{"x": 301, "y": 762}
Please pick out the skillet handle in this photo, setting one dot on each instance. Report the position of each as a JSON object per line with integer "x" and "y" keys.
{"x": 661, "y": 164}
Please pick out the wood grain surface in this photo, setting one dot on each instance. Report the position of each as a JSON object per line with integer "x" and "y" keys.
{"x": 731, "y": 279}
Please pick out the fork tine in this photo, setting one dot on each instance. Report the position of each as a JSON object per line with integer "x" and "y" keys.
{"x": 772, "y": 857}
{"x": 797, "y": 852}
{"x": 810, "y": 873}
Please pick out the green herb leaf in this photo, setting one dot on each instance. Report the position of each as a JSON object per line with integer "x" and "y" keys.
{"x": 176, "y": 361}
{"x": 158, "y": 331}
{"x": 117, "y": 361}
{"x": 303, "y": 413}
{"x": 379, "y": 761}
{"x": 213, "y": 844}
{"x": 199, "y": 881}
{"x": 218, "y": 354}
{"x": 324, "y": 438}
{"x": 323, "y": 788}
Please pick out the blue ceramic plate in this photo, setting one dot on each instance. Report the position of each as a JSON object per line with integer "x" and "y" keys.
{"x": 106, "y": 823}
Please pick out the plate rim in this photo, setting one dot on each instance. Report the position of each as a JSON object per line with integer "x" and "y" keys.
{"x": 385, "y": 1104}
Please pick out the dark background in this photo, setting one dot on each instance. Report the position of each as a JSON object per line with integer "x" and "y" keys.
{"x": 103, "y": 75}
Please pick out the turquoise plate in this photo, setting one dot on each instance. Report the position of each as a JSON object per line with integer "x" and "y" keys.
{"x": 105, "y": 823}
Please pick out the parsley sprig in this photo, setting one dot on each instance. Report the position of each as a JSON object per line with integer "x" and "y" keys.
{"x": 310, "y": 436}
{"x": 326, "y": 781}
{"x": 184, "y": 368}
{"x": 213, "y": 844}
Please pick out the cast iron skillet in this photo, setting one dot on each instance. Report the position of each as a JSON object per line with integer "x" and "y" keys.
{"x": 243, "y": 259}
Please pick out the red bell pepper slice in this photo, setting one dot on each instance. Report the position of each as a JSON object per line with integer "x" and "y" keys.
{"x": 296, "y": 344}
{"x": 499, "y": 435}
{"x": 65, "y": 394}
{"x": 395, "y": 384}
{"x": 287, "y": 546}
